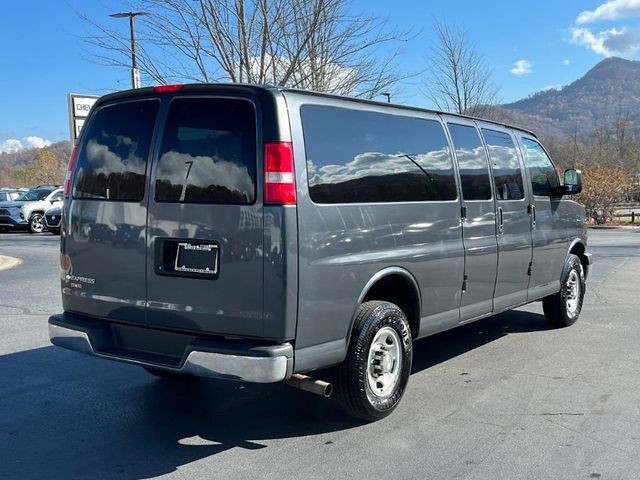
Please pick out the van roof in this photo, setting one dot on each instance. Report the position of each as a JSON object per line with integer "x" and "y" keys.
{"x": 266, "y": 88}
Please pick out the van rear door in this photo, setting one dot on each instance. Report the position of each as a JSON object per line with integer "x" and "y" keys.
{"x": 205, "y": 218}
{"x": 103, "y": 266}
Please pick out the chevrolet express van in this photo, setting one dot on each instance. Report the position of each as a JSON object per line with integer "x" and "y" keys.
{"x": 259, "y": 234}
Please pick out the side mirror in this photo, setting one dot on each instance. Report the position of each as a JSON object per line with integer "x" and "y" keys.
{"x": 572, "y": 181}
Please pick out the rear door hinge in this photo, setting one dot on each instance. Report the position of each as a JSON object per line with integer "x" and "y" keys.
{"x": 464, "y": 284}
{"x": 529, "y": 270}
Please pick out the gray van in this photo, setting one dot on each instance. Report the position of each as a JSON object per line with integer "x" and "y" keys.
{"x": 260, "y": 234}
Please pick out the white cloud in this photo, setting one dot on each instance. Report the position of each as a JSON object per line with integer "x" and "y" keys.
{"x": 521, "y": 67}
{"x": 624, "y": 41}
{"x": 610, "y": 10}
{"x": 14, "y": 144}
{"x": 566, "y": 62}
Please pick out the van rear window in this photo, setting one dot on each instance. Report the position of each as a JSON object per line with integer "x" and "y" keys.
{"x": 112, "y": 161}
{"x": 208, "y": 152}
{"x": 356, "y": 156}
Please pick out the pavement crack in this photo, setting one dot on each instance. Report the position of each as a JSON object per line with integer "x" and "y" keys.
{"x": 22, "y": 310}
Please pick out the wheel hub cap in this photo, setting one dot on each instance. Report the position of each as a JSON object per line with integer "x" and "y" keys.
{"x": 573, "y": 292}
{"x": 384, "y": 365}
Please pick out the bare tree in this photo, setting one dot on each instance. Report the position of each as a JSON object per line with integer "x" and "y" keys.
{"x": 312, "y": 44}
{"x": 457, "y": 77}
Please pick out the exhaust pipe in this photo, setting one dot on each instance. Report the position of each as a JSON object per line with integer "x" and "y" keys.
{"x": 308, "y": 384}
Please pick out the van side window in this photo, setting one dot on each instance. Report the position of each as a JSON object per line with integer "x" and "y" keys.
{"x": 356, "y": 156}
{"x": 507, "y": 175}
{"x": 472, "y": 162}
{"x": 544, "y": 178}
{"x": 112, "y": 160}
{"x": 208, "y": 152}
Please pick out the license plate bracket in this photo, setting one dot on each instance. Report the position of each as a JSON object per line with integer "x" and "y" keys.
{"x": 188, "y": 258}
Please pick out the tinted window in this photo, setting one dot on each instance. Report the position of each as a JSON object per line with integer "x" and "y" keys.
{"x": 33, "y": 195}
{"x": 113, "y": 157}
{"x": 208, "y": 152}
{"x": 507, "y": 175}
{"x": 472, "y": 162}
{"x": 56, "y": 197}
{"x": 356, "y": 156}
{"x": 544, "y": 178}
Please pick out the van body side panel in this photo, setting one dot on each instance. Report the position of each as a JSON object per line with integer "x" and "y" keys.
{"x": 342, "y": 246}
{"x": 280, "y": 272}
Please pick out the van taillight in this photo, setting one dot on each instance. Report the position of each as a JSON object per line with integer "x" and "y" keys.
{"x": 69, "y": 175}
{"x": 279, "y": 178}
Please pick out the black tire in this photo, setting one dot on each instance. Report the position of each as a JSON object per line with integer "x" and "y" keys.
{"x": 36, "y": 223}
{"x": 165, "y": 374}
{"x": 54, "y": 231}
{"x": 560, "y": 309}
{"x": 352, "y": 378}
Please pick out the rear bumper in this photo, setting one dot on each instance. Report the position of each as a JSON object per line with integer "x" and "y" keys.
{"x": 228, "y": 360}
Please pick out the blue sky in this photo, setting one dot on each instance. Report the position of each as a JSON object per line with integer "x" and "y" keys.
{"x": 528, "y": 45}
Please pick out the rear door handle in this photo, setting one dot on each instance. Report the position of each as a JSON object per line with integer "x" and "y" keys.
{"x": 500, "y": 221}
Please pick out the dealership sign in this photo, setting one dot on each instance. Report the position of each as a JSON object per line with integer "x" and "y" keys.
{"x": 79, "y": 107}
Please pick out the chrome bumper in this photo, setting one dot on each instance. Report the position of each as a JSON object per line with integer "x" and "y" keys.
{"x": 249, "y": 368}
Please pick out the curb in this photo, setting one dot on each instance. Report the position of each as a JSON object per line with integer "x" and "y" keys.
{"x": 7, "y": 263}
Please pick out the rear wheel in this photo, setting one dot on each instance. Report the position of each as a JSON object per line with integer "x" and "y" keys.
{"x": 36, "y": 223}
{"x": 563, "y": 308}
{"x": 374, "y": 376}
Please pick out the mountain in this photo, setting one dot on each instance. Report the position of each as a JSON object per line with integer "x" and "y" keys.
{"x": 24, "y": 158}
{"x": 608, "y": 90}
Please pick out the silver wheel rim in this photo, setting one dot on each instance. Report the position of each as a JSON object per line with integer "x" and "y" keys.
{"x": 573, "y": 292}
{"x": 384, "y": 365}
{"x": 36, "y": 224}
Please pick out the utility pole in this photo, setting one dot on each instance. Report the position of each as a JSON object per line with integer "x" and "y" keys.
{"x": 135, "y": 73}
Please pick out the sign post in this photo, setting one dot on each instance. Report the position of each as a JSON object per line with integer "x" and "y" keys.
{"x": 79, "y": 107}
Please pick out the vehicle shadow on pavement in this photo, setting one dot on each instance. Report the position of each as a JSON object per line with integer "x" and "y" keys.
{"x": 65, "y": 415}
{"x": 444, "y": 346}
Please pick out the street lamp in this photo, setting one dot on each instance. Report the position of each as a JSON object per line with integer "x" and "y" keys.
{"x": 135, "y": 74}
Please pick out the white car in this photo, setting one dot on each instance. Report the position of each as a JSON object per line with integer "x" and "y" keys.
{"x": 33, "y": 212}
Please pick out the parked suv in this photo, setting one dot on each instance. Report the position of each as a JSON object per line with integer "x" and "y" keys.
{"x": 287, "y": 232}
{"x": 34, "y": 212}
{"x": 9, "y": 194}
{"x": 26, "y": 211}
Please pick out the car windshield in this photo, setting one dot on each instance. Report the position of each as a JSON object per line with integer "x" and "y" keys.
{"x": 33, "y": 195}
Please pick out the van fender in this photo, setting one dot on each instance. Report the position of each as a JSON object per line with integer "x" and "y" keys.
{"x": 372, "y": 281}
{"x": 584, "y": 256}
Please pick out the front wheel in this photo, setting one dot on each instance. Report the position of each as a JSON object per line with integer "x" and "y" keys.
{"x": 374, "y": 376}
{"x": 563, "y": 308}
{"x": 36, "y": 223}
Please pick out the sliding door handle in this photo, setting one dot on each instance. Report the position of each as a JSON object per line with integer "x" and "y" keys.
{"x": 500, "y": 221}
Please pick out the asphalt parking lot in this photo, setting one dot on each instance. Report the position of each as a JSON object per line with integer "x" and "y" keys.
{"x": 501, "y": 398}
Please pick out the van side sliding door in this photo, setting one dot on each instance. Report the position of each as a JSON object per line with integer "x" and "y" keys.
{"x": 513, "y": 224}
{"x": 478, "y": 213}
